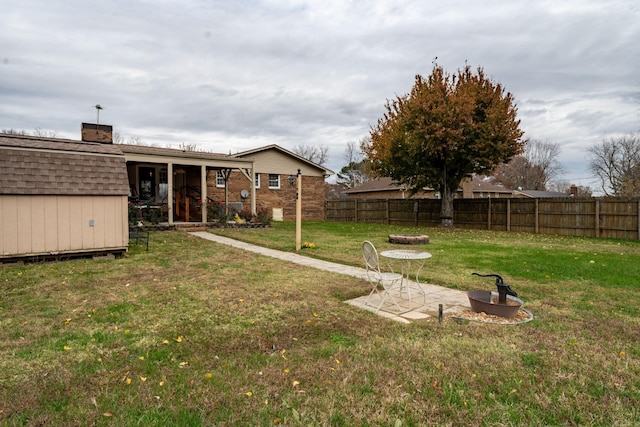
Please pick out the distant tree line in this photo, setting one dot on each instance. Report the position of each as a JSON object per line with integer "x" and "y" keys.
{"x": 36, "y": 132}
{"x": 616, "y": 164}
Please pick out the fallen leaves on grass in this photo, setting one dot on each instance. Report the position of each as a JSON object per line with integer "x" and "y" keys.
{"x": 521, "y": 316}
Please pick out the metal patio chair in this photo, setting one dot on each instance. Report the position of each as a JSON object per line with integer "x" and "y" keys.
{"x": 377, "y": 278}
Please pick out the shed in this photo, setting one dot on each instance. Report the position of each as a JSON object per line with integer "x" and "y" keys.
{"x": 61, "y": 197}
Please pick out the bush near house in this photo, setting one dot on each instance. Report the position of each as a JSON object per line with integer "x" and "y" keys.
{"x": 216, "y": 213}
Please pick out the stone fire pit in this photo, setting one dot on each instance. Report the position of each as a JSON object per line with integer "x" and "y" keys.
{"x": 409, "y": 239}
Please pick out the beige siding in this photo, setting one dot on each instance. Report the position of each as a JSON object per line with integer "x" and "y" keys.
{"x": 273, "y": 161}
{"x": 39, "y": 225}
{"x": 9, "y": 221}
{"x": 51, "y": 233}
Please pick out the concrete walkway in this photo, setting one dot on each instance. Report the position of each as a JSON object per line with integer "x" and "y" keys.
{"x": 418, "y": 307}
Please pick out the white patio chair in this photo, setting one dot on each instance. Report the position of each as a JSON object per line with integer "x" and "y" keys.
{"x": 378, "y": 278}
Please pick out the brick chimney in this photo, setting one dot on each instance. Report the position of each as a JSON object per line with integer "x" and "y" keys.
{"x": 467, "y": 187}
{"x": 92, "y": 132}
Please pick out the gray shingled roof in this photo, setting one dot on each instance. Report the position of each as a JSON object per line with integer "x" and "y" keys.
{"x": 387, "y": 184}
{"x": 375, "y": 185}
{"x": 537, "y": 194}
{"x": 50, "y": 166}
{"x": 171, "y": 152}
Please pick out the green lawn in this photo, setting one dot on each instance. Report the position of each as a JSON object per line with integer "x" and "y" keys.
{"x": 196, "y": 333}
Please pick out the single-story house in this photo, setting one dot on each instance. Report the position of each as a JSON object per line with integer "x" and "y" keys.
{"x": 386, "y": 188}
{"x": 252, "y": 180}
{"x": 60, "y": 196}
{"x": 169, "y": 180}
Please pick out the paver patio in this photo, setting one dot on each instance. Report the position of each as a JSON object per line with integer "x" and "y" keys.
{"x": 420, "y": 308}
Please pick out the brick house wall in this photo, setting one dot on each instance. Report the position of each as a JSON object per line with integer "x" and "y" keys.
{"x": 313, "y": 194}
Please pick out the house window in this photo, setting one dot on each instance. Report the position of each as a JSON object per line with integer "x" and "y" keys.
{"x": 274, "y": 181}
{"x": 219, "y": 179}
{"x": 256, "y": 184}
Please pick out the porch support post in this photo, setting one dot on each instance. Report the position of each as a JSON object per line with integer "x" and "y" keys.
{"x": 253, "y": 192}
{"x": 249, "y": 173}
{"x": 170, "y": 194}
{"x": 203, "y": 193}
{"x": 225, "y": 173}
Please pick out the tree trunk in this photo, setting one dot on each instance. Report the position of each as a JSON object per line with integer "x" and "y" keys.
{"x": 446, "y": 209}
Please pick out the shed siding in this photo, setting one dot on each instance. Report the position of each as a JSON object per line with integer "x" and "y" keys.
{"x": 58, "y": 224}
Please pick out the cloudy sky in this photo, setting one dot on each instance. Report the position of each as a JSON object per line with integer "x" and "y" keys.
{"x": 230, "y": 75}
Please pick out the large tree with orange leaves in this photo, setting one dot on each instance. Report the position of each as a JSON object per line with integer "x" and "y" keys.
{"x": 447, "y": 128}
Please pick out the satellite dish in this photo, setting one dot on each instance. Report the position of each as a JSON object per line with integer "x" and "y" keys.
{"x": 244, "y": 194}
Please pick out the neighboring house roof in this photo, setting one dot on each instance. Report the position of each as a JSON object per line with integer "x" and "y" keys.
{"x": 52, "y": 166}
{"x": 536, "y": 194}
{"x": 386, "y": 184}
{"x": 479, "y": 185}
{"x": 277, "y": 148}
{"x": 376, "y": 185}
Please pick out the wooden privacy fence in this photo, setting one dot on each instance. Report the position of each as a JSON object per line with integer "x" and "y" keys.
{"x": 609, "y": 218}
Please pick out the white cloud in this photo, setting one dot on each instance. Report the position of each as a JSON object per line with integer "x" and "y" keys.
{"x": 236, "y": 75}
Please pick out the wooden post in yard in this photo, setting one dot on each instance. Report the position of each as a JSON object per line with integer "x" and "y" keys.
{"x": 597, "y": 218}
{"x": 299, "y": 213}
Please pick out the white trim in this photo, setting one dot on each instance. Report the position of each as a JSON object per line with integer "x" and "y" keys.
{"x": 272, "y": 187}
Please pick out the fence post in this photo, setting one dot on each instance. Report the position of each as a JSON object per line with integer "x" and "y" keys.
{"x": 638, "y": 219}
{"x": 388, "y": 212}
{"x": 508, "y": 215}
{"x": 597, "y": 218}
{"x": 489, "y": 215}
{"x": 355, "y": 210}
{"x": 537, "y": 216}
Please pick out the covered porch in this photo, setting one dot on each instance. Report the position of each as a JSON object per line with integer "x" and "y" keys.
{"x": 170, "y": 185}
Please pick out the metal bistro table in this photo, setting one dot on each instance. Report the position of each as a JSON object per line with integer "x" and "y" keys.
{"x": 408, "y": 256}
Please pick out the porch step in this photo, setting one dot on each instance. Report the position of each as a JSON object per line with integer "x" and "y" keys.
{"x": 191, "y": 227}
